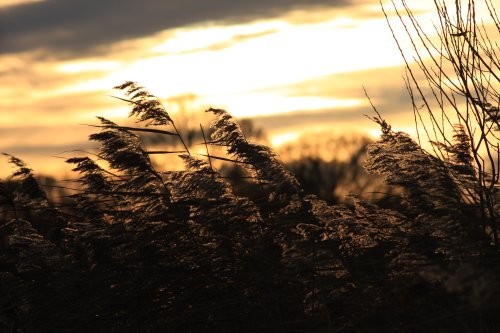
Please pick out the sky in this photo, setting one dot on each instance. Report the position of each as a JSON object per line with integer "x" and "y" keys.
{"x": 294, "y": 66}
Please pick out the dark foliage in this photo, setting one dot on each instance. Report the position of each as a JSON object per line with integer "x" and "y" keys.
{"x": 143, "y": 250}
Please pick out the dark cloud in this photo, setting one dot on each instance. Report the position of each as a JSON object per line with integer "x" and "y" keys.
{"x": 331, "y": 117}
{"x": 389, "y": 96}
{"x": 69, "y": 27}
{"x": 76, "y": 102}
{"x": 347, "y": 84}
{"x": 311, "y": 118}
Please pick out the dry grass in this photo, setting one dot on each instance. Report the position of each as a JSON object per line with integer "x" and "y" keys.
{"x": 144, "y": 249}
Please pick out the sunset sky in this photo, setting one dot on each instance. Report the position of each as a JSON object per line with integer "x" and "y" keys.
{"x": 296, "y": 66}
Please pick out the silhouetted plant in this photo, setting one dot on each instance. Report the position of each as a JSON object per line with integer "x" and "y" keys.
{"x": 150, "y": 250}
{"x": 456, "y": 103}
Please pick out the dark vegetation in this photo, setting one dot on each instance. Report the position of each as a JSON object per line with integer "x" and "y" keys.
{"x": 332, "y": 180}
{"x": 139, "y": 249}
